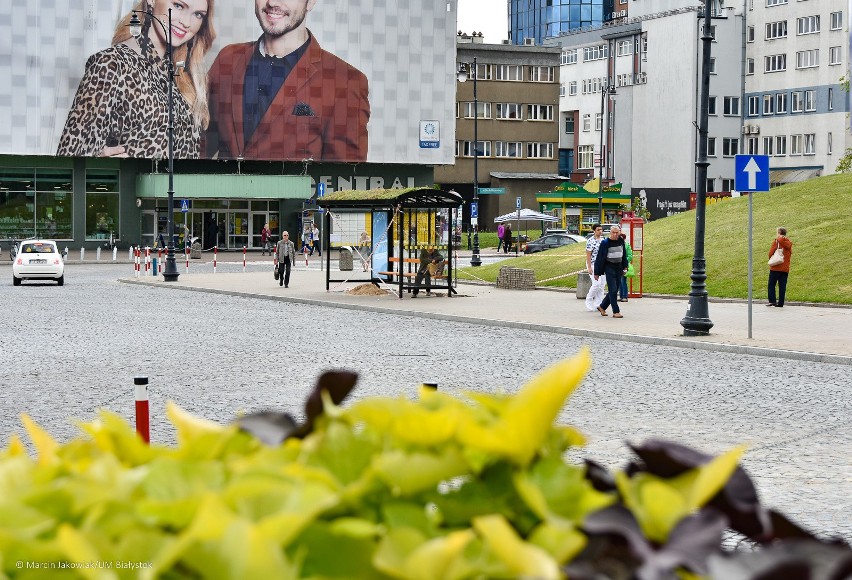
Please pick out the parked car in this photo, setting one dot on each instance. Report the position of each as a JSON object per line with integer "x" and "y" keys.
{"x": 38, "y": 260}
{"x": 551, "y": 241}
{"x": 606, "y": 228}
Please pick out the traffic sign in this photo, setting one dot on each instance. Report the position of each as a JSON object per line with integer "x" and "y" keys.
{"x": 184, "y": 205}
{"x": 492, "y": 190}
{"x": 517, "y": 203}
{"x": 751, "y": 173}
{"x": 320, "y": 189}
{"x": 474, "y": 209}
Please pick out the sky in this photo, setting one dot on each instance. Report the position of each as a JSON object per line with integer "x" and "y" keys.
{"x": 487, "y": 16}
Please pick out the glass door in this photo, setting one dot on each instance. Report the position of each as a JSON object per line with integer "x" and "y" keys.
{"x": 238, "y": 229}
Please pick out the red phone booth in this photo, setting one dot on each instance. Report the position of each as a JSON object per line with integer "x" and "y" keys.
{"x": 632, "y": 227}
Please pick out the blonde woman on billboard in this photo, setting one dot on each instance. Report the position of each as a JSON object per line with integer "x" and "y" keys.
{"x": 283, "y": 97}
{"x": 121, "y": 105}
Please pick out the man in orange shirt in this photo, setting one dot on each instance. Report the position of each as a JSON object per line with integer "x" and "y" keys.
{"x": 284, "y": 97}
{"x": 778, "y": 274}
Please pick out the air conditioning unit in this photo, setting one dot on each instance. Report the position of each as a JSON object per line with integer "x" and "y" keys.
{"x": 529, "y": 41}
{"x": 746, "y": 129}
{"x": 755, "y": 130}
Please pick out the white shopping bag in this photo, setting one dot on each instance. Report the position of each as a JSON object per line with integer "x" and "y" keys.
{"x": 596, "y": 293}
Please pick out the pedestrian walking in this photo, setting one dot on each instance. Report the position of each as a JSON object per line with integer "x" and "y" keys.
{"x": 611, "y": 262}
{"x": 265, "y": 233}
{"x": 596, "y": 291}
{"x": 285, "y": 252}
{"x": 778, "y": 272}
{"x": 315, "y": 237}
{"x": 507, "y": 238}
{"x": 500, "y": 230}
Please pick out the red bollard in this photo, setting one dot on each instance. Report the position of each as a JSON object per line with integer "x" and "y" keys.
{"x": 187, "y": 259}
{"x": 147, "y": 260}
{"x": 143, "y": 417}
{"x": 244, "y": 259}
{"x": 215, "y": 252}
{"x": 136, "y": 262}
{"x": 160, "y": 261}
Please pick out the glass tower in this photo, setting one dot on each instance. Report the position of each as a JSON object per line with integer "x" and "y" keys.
{"x": 540, "y": 19}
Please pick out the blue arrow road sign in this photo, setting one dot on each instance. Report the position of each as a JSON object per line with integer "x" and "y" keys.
{"x": 751, "y": 173}
{"x": 320, "y": 189}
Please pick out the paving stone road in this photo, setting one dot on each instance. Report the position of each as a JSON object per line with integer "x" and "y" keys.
{"x": 218, "y": 355}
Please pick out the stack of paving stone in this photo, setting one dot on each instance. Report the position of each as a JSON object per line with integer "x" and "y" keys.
{"x": 345, "y": 263}
{"x": 516, "y": 278}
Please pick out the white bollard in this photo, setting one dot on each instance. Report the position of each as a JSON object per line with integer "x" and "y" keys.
{"x": 244, "y": 259}
{"x": 82, "y": 254}
{"x": 114, "y": 254}
{"x": 215, "y": 255}
{"x": 130, "y": 253}
{"x": 98, "y": 254}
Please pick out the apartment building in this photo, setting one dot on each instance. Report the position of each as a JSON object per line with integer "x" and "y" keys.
{"x": 515, "y": 116}
{"x": 795, "y": 107}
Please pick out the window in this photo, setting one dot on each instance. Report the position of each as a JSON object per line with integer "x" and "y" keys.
{"x": 781, "y": 145}
{"x": 776, "y": 30}
{"x": 483, "y": 149}
{"x": 101, "y": 204}
{"x": 712, "y": 66}
{"x": 768, "y": 105}
{"x": 595, "y": 52}
{"x": 711, "y": 184}
{"x": 39, "y": 202}
{"x": 483, "y": 110}
{"x": 711, "y": 147}
{"x": 569, "y": 56}
{"x": 539, "y": 112}
{"x": 562, "y": 90}
{"x": 810, "y": 100}
{"x": 836, "y": 20}
{"x": 540, "y": 150}
{"x": 483, "y": 72}
{"x": 730, "y": 147}
{"x": 750, "y": 34}
{"x": 807, "y": 58}
{"x": 796, "y": 101}
{"x": 624, "y": 47}
{"x": 796, "y": 144}
{"x": 727, "y": 184}
{"x": 830, "y": 99}
{"x": 830, "y": 146}
{"x": 753, "y": 106}
{"x": 509, "y": 149}
{"x": 749, "y": 66}
{"x": 731, "y": 106}
{"x": 781, "y": 103}
{"x": 569, "y": 123}
{"x": 768, "y": 143}
{"x": 711, "y": 106}
{"x": 810, "y": 144}
{"x": 508, "y": 72}
{"x": 587, "y": 122}
{"x": 598, "y": 121}
{"x": 834, "y": 55}
{"x": 572, "y": 88}
{"x": 751, "y": 145}
{"x": 807, "y": 25}
{"x": 775, "y": 63}
{"x": 586, "y": 157}
{"x": 775, "y": 2}
{"x": 508, "y": 111}
{"x": 541, "y": 74}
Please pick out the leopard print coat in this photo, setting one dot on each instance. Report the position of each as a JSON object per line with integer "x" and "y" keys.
{"x": 123, "y": 99}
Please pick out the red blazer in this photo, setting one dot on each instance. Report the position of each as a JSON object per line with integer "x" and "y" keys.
{"x": 320, "y": 112}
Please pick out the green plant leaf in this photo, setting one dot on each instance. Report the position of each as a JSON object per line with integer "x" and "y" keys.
{"x": 443, "y": 558}
{"x": 409, "y": 473}
{"x": 521, "y": 559}
{"x": 558, "y": 538}
{"x": 394, "y": 550}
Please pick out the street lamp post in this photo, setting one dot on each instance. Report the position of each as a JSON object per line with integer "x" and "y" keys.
{"x": 475, "y": 259}
{"x": 170, "y": 273}
{"x": 607, "y": 90}
{"x": 697, "y": 320}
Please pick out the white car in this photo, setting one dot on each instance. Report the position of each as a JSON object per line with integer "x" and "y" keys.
{"x": 38, "y": 260}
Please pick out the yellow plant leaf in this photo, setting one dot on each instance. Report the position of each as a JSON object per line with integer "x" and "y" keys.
{"x": 46, "y": 446}
{"x": 521, "y": 558}
{"x": 712, "y": 477}
{"x": 441, "y": 558}
{"x": 79, "y": 550}
{"x": 656, "y": 505}
{"x": 15, "y": 448}
{"x": 394, "y": 549}
{"x": 189, "y": 427}
{"x": 559, "y": 538}
{"x": 409, "y": 473}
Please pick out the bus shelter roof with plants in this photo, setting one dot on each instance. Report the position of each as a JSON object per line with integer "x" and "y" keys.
{"x": 404, "y": 222}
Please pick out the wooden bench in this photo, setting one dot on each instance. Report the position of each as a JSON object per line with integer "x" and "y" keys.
{"x": 395, "y": 260}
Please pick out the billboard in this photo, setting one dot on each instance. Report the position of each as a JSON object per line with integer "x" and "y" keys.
{"x": 320, "y": 80}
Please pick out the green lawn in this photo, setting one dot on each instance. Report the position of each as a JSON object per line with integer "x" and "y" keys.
{"x": 816, "y": 214}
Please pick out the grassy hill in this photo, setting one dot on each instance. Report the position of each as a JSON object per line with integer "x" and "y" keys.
{"x": 816, "y": 213}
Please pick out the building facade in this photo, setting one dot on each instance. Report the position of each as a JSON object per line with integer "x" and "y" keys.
{"x": 516, "y": 121}
{"x": 531, "y": 21}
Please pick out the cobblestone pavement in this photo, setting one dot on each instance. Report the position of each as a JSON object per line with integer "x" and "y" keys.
{"x": 217, "y": 355}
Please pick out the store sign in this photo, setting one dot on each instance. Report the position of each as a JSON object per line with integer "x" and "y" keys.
{"x": 368, "y": 100}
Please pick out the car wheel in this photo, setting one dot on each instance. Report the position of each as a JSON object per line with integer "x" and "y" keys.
{"x": 15, "y": 280}
{"x": 61, "y": 280}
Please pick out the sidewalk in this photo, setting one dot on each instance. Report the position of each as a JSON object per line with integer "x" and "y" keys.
{"x": 817, "y": 333}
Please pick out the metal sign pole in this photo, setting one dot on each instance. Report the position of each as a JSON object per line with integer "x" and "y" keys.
{"x": 750, "y": 260}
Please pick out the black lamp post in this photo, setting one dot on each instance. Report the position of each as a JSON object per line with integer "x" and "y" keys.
{"x": 170, "y": 273}
{"x": 475, "y": 260}
{"x": 697, "y": 320}
{"x": 607, "y": 90}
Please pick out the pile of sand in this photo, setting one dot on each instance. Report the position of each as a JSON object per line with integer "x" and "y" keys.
{"x": 367, "y": 290}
